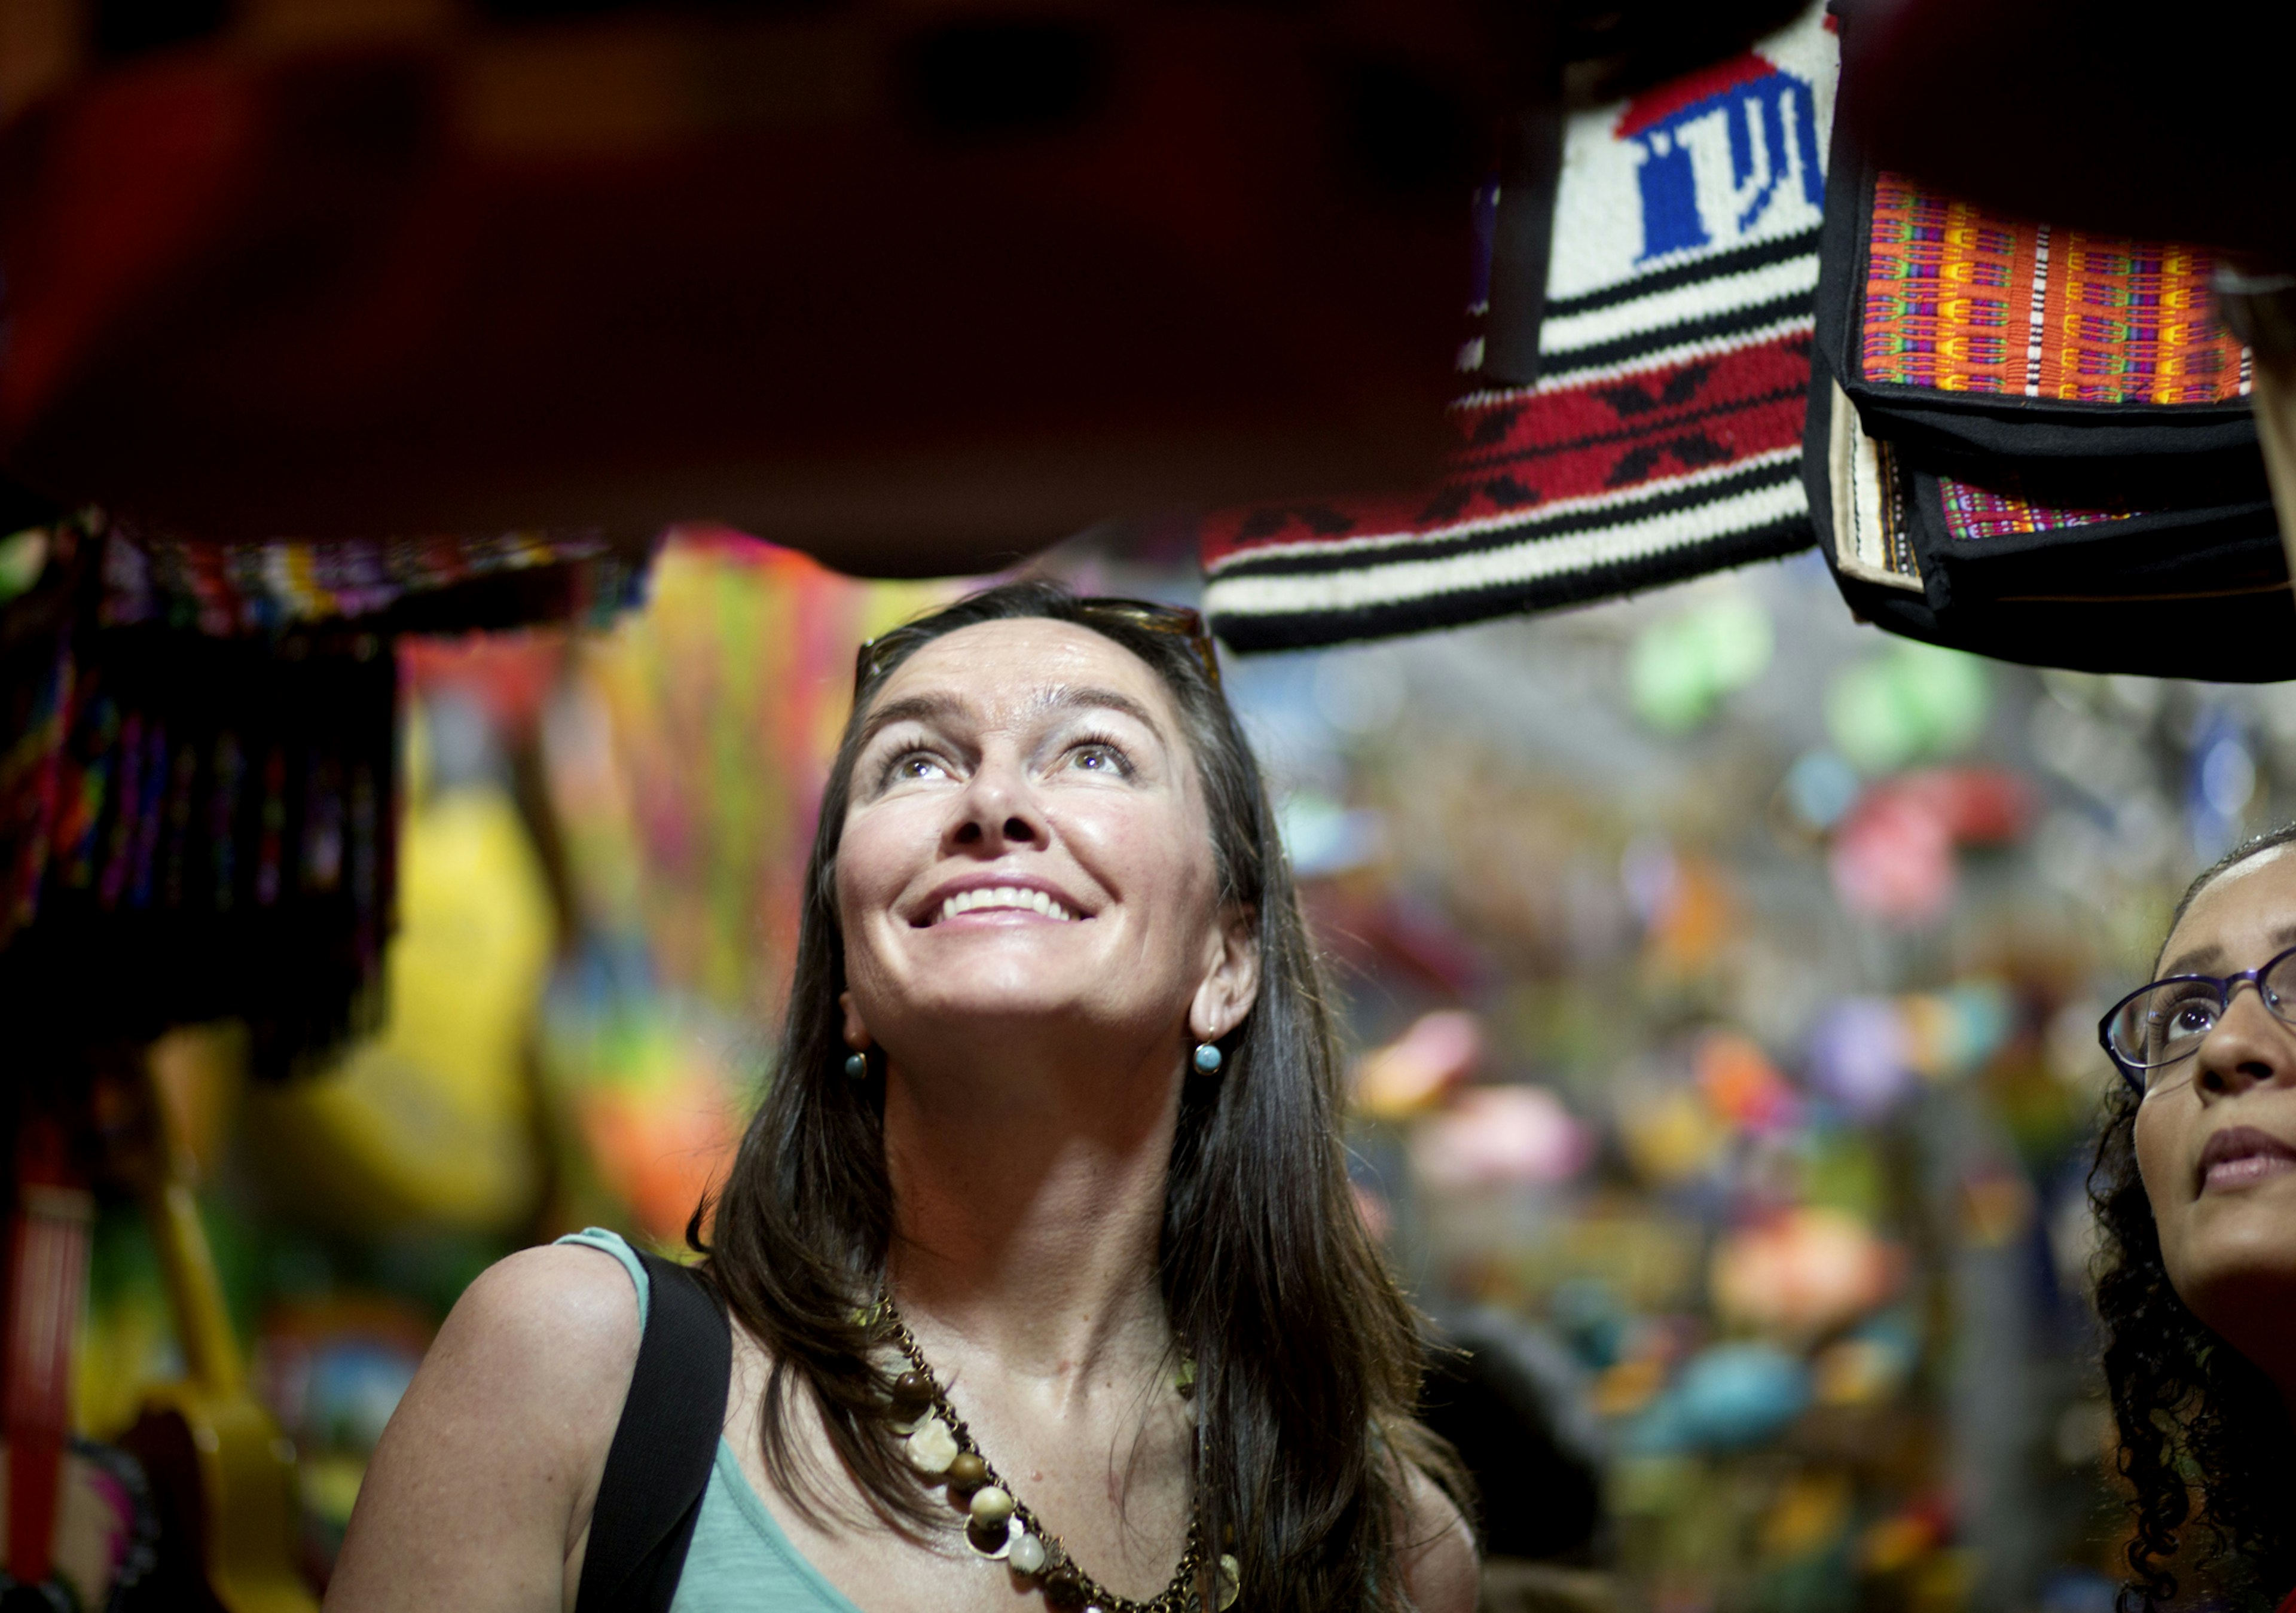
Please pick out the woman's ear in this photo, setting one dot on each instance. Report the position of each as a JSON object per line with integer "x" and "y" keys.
{"x": 1233, "y": 984}
{"x": 856, "y": 1034}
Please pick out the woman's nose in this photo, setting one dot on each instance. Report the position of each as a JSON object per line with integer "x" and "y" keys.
{"x": 2249, "y": 1046}
{"x": 998, "y": 809}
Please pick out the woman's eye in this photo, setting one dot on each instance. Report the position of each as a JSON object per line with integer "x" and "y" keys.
{"x": 2192, "y": 1016}
{"x": 1097, "y": 759}
{"x": 916, "y": 765}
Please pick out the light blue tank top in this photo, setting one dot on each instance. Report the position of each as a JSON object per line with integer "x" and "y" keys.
{"x": 740, "y": 1561}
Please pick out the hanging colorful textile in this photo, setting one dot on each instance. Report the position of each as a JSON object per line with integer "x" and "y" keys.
{"x": 193, "y": 828}
{"x": 1962, "y": 331}
{"x": 497, "y": 581}
{"x": 2036, "y": 442}
{"x": 1662, "y": 437}
{"x": 197, "y": 757}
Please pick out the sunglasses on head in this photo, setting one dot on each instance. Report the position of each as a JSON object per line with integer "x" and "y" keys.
{"x": 1140, "y": 615}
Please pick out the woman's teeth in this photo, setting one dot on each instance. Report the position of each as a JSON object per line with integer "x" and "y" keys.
{"x": 1016, "y": 897}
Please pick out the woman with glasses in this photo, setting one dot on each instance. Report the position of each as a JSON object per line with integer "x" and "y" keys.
{"x": 2195, "y": 1191}
{"x": 1045, "y": 1284}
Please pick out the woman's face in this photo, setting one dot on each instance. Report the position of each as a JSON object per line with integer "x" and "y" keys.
{"x": 2215, "y": 1138}
{"x": 1026, "y": 844}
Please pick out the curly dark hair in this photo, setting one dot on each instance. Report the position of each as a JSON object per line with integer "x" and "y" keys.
{"x": 2204, "y": 1438}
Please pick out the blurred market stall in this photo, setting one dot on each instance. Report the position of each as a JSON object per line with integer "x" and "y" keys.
{"x": 198, "y": 767}
{"x": 1722, "y": 975}
{"x": 1729, "y": 975}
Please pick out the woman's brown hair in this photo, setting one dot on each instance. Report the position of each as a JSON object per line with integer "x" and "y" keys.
{"x": 1309, "y": 1359}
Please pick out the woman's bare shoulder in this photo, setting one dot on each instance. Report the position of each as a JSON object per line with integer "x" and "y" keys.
{"x": 551, "y": 1331}
{"x": 577, "y": 1301}
{"x": 482, "y": 1484}
{"x": 1440, "y": 1567}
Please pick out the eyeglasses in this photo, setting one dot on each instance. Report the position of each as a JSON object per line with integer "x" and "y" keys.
{"x": 2161, "y": 1024}
{"x": 1140, "y": 615}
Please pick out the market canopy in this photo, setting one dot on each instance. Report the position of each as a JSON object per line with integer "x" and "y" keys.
{"x": 918, "y": 293}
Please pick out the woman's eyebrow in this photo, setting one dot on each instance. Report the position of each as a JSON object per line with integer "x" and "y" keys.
{"x": 1088, "y": 697}
{"x": 2200, "y": 959}
{"x": 913, "y": 707}
{"x": 1066, "y": 697}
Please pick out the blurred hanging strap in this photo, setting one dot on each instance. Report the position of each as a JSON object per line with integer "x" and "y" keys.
{"x": 1523, "y": 230}
{"x": 47, "y": 1273}
{"x": 2260, "y": 309}
{"x": 219, "y": 1455}
{"x": 650, "y": 1494}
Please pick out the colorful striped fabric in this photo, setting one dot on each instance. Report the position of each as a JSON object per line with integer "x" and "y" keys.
{"x": 1662, "y": 438}
{"x": 227, "y": 589}
{"x": 1963, "y": 300}
{"x": 1973, "y": 512}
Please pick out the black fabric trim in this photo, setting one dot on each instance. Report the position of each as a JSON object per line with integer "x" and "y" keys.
{"x": 1841, "y": 238}
{"x": 2193, "y": 480}
{"x": 1735, "y": 321}
{"x": 1665, "y": 501}
{"x": 664, "y": 1446}
{"x": 1307, "y": 630}
{"x": 2041, "y": 428}
{"x": 1737, "y": 261}
{"x": 2159, "y": 554}
{"x": 2235, "y": 637}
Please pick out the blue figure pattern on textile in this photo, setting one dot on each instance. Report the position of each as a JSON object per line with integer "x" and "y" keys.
{"x": 1769, "y": 120}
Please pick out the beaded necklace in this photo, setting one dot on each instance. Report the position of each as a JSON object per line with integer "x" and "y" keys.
{"x": 998, "y": 1524}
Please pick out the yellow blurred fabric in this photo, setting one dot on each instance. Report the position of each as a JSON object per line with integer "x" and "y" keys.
{"x": 432, "y": 1120}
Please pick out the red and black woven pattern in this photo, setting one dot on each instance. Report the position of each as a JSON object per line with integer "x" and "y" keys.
{"x": 1554, "y": 500}
{"x": 1662, "y": 438}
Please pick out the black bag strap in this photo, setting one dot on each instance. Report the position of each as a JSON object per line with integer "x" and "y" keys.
{"x": 664, "y": 1447}
{"x": 1523, "y": 237}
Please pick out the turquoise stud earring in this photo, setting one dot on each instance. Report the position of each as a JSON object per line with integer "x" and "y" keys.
{"x": 857, "y": 1067}
{"x": 1208, "y": 1058}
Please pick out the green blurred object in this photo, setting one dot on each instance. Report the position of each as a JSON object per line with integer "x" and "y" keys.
{"x": 23, "y": 556}
{"x": 1681, "y": 667}
{"x": 1912, "y": 703}
{"x": 1840, "y": 1170}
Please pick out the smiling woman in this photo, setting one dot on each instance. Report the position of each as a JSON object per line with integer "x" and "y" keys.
{"x": 1047, "y": 1287}
{"x": 2195, "y": 1192}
